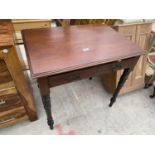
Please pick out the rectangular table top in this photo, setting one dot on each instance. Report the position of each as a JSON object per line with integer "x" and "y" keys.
{"x": 56, "y": 50}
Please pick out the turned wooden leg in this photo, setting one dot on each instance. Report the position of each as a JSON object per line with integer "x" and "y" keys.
{"x": 45, "y": 95}
{"x": 120, "y": 85}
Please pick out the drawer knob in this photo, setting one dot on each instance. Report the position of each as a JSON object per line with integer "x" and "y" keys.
{"x": 5, "y": 51}
{"x": 2, "y": 102}
{"x": 117, "y": 66}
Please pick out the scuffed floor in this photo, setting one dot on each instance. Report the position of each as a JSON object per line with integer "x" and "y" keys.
{"x": 82, "y": 108}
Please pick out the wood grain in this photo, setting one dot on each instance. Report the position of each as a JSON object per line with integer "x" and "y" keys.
{"x": 16, "y": 102}
{"x": 58, "y": 50}
{"x": 12, "y": 121}
{"x": 15, "y": 69}
{"x": 13, "y": 111}
{"x": 4, "y": 73}
{"x": 7, "y": 88}
{"x": 12, "y": 116}
{"x": 9, "y": 102}
{"x": 6, "y": 33}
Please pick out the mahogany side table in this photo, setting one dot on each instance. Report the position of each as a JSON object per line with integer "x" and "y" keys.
{"x": 61, "y": 55}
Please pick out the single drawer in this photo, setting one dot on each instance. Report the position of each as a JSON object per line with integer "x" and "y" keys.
{"x": 145, "y": 28}
{"x": 6, "y": 32}
{"x": 2, "y": 65}
{"x": 5, "y": 76}
{"x": 87, "y": 72}
{"x": 11, "y": 112}
{"x": 30, "y": 24}
{"x": 13, "y": 116}
{"x": 4, "y": 27}
{"x": 4, "y": 73}
{"x": 9, "y": 101}
{"x": 127, "y": 30}
{"x": 8, "y": 88}
{"x": 20, "y": 25}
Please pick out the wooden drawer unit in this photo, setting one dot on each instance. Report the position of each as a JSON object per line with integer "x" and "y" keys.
{"x": 22, "y": 24}
{"x": 16, "y": 102}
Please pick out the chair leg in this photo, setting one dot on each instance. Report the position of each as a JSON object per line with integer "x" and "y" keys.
{"x": 153, "y": 95}
{"x": 150, "y": 81}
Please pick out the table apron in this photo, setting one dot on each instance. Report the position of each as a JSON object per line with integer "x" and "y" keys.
{"x": 79, "y": 74}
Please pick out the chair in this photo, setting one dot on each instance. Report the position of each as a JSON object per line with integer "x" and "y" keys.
{"x": 151, "y": 62}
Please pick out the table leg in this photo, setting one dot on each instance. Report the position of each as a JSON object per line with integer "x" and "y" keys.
{"x": 45, "y": 95}
{"x": 120, "y": 85}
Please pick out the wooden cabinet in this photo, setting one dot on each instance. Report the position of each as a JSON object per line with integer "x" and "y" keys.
{"x": 138, "y": 33}
{"x": 21, "y": 24}
{"x": 16, "y": 101}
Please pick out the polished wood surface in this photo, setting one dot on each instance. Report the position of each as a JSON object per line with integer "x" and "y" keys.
{"x": 56, "y": 50}
{"x": 61, "y": 55}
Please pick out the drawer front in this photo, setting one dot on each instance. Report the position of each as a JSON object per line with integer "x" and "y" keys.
{"x": 9, "y": 101}
{"x": 5, "y": 76}
{"x": 129, "y": 32}
{"x": 5, "y": 27}
{"x": 146, "y": 28}
{"x": 143, "y": 35}
{"x": 12, "y": 116}
{"x": 31, "y": 25}
{"x": 6, "y": 31}
{"x": 19, "y": 26}
{"x": 8, "y": 88}
{"x": 4, "y": 73}
{"x": 91, "y": 71}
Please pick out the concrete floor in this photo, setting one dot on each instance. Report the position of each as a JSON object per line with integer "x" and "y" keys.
{"x": 82, "y": 108}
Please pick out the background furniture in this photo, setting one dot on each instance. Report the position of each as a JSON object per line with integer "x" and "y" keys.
{"x": 21, "y": 24}
{"x": 138, "y": 33}
{"x": 63, "y": 55}
{"x": 151, "y": 61}
{"x": 67, "y": 22}
{"x": 16, "y": 101}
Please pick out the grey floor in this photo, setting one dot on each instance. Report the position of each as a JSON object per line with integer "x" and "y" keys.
{"x": 82, "y": 108}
